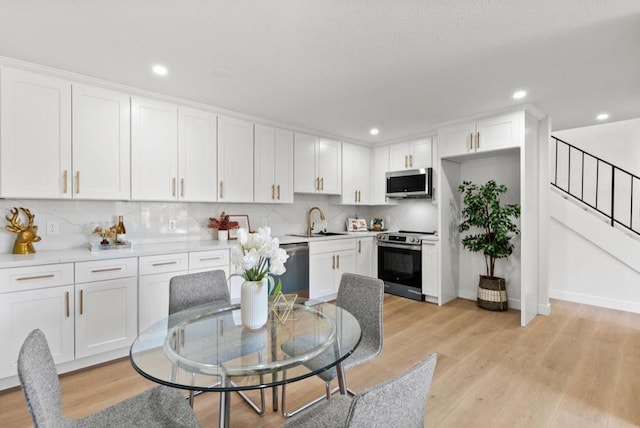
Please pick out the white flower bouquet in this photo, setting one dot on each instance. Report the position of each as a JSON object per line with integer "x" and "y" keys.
{"x": 259, "y": 256}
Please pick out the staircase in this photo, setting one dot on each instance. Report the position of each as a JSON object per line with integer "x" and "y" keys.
{"x": 594, "y": 231}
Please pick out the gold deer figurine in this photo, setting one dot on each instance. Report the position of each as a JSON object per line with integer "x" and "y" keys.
{"x": 27, "y": 235}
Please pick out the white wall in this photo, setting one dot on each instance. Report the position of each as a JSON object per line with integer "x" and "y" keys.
{"x": 148, "y": 222}
{"x": 589, "y": 262}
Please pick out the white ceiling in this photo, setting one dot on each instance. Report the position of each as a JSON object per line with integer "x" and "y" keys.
{"x": 343, "y": 66}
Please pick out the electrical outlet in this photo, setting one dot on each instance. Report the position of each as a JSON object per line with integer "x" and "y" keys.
{"x": 172, "y": 224}
{"x": 53, "y": 228}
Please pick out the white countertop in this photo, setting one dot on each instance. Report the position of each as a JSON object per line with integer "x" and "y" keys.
{"x": 84, "y": 254}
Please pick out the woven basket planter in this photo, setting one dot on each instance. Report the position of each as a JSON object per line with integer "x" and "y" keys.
{"x": 492, "y": 293}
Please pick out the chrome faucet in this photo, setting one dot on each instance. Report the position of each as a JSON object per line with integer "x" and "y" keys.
{"x": 309, "y": 224}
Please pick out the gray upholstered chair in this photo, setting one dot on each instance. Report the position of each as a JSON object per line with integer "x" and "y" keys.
{"x": 160, "y": 406}
{"x": 363, "y": 297}
{"x": 194, "y": 289}
{"x": 400, "y": 401}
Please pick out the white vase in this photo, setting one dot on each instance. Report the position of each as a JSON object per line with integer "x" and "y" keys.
{"x": 223, "y": 235}
{"x": 254, "y": 303}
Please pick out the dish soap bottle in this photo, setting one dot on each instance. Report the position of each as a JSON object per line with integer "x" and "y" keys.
{"x": 121, "y": 232}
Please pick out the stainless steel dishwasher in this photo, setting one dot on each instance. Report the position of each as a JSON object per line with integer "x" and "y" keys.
{"x": 296, "y": 279}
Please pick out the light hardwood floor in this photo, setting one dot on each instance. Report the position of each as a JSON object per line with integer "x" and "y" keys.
{"x": 579, "y": 367}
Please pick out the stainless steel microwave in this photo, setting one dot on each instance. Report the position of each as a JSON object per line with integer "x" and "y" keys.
{"x": 412, "y": 183}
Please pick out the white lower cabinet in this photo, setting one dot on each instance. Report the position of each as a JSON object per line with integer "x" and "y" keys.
{"x": 430, "y": 268}
{"x": 106, "y": 305}
{"x": 153, "y": 286}
{"x": 364, "y": 256}
{"x": 328, "y": 260}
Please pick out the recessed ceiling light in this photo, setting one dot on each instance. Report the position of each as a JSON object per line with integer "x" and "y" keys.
{"x": 518, "y": 95}
{"x": 602, "y": 116}
{"x": 374, "y": 131}
{"x": 160, "y": 70}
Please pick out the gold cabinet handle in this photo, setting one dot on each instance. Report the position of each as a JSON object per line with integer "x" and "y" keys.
{"x": 317, "y": 183}
{"x": 471, "y": 141}
{"x": 29, "y": 278}
{"x": 77, "y": 182}
{"x": 359, "y": 246}
{"x": 182, "y": 187}
{"x": 478, "y": 140}
{"x": 81, "y": 302}
{"x": 359, "y": 195}
{"x": 411, "y": 161}
{"x": 221, "y": 189}
{"x": 406, "y": 161}
{"x": 66, "y": 298}
{"x": 106, "y": 270}
{"x": 65, "y": 178}
{"x": 338, "y": 261}
{"x": 278, "y": 187}
{"x": 164, "y": 263}
{"x": 322, "y": 183}
{"x": 173, "y": 186}
{"x": 355, "y": 197}
{"x": 273, "y": 191}
{"x": 333, "y": 262}
{"x": 206, "y": 259}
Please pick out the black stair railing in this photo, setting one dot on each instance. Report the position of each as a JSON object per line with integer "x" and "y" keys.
{"x": 596, "y": 183}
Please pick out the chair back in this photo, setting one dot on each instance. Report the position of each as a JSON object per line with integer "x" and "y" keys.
{"x": 39, "y": 379}
{"x": 363, "y": 297}
{"x": 399, "y": 401}
{"x": 186, "y": 291}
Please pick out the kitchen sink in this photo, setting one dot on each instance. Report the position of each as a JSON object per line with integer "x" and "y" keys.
{"x": 318, "y": 235}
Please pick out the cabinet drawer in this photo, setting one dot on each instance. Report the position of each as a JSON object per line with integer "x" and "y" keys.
{"x": 332, "y": 246}
{"x": 34, "y": 277}
{"x": 208, "y": 259}
{"x": 164, "y": 263}
{"x": 101, "y": 270}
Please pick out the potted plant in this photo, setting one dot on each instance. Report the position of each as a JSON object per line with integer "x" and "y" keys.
{"x": 378, "y": 224}
{"x": 222, "y": 225}
{"x": 482, "y": 210}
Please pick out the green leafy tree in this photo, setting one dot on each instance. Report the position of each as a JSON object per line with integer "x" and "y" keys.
{"x": 482, "y": 210}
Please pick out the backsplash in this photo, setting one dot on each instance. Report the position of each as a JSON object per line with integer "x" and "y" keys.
{"x": 149, "y": 222}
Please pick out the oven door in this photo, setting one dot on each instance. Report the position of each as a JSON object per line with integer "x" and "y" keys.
{"x": 400, "y": 267}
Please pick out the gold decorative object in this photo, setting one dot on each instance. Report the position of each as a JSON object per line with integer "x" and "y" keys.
{"x": 105, "y": 233}
{"x": 27, "y": 235}
{"x": 282, "y": 306}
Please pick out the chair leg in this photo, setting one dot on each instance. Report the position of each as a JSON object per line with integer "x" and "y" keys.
{"x": 325, "y": 396}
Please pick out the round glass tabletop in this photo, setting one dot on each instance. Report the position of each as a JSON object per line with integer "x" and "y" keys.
{"x": 207, "y": 348}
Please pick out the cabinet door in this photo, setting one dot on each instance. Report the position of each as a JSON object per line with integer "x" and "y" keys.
{"x": 154, "y": 150}
{"x": 197, "y": 155}
{"x": 305, "y": 176}
{"x": 430, "y": 268}
{"x": 500, "y": 132}
{"x": 235, "y": 160}
{"x": 322, "y": 274}
{"x": 457, "y": 140}
{"x": 50, "y": 310}
{"x": 349, "y": 174}
{"x": 154, "y": 298}
{"x": 35, "y": 136}
{"x": 329, "y": 161}
{"x": 284, "y": 166}
{"x": 264, "y": 180}
{"x": 106, "y": 316}
{"x": 345, "y": 263}
{"x": 363, "y": 168}
{"x": 101, "y": 144}
{"x": 398, "y": 156}
{"x": 379, "y": 166}
{"x": 420, "y": 153}
{"x": 364, "y": 256}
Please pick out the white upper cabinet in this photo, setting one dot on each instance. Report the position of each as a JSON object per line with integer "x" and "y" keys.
{"x": 356, "y": 171}
{"x": 35, "y": 135}
{"x": 318, "y": 165}
{"x": 410, "y": 155}
{"x": 154, "y": 150}
{"x": 495, "y": 133}
{"x": 235, "y": 160}
{"x": 197, "y": 155}
{"x": 273, "y": 151}
{"x": 101, "y": 144}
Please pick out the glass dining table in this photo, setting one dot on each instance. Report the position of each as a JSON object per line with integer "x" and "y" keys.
{"x": 206, "y": 348}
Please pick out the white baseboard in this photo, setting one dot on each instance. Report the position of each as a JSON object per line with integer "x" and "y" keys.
{"x": 603, "y": 302}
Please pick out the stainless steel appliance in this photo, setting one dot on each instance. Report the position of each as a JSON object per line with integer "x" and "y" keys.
{"x": 412, "y": 183}
{"x": 296, "y": 279}
{"x": 400, "y": 262}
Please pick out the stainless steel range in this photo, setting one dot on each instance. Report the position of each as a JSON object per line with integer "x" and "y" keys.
{"x": 400, "y": 262}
